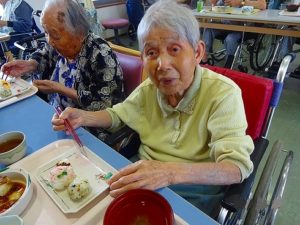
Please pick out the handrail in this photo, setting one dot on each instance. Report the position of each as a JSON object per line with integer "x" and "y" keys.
{"x": 128, "y": 51}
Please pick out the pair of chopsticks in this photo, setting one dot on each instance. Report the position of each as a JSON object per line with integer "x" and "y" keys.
{"x": 72, "y": 131}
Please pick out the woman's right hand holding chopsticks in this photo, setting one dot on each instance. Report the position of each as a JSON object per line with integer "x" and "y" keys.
{"x": 73, "y": 115}
{"x": 18, "y": 68}
{"x": 79, "y": 117}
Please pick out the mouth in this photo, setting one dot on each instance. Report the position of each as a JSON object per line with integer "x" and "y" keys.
{"x": 167, "y": 81}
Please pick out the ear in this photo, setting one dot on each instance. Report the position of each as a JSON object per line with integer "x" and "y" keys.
{"x": 199, "y": 51}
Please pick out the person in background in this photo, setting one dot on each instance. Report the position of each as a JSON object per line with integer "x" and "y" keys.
{"x": 135, "y": 12}
{"x": 231, "y": 38}
{"x": 76, "y": 68}
{"x": 16, "y": 21}
{"x": 191, "y": 120}
{"x": 286, "y": 45}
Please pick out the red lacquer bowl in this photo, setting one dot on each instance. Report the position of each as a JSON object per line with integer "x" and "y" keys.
{"x": 139, "y": 206}
{"x": 292, "y": 7}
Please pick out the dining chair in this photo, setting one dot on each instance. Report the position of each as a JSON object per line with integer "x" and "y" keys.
{"x": 125, "y": 141}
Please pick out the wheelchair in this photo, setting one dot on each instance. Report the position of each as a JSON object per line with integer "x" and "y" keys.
{"x": 28, "y": 42}
{"x": 259, "y": 48}
{"x": 244, "y": 203}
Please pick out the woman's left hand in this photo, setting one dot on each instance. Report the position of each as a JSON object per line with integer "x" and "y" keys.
{"x": 47, "y": 86}
{"x": 146, "y": 174}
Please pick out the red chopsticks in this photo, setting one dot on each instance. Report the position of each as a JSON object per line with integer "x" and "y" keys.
{"x": 72, "y": 131}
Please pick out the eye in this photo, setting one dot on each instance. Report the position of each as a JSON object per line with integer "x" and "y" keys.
{"x": 151, "y": 53}
{"x": 175, "y": 49}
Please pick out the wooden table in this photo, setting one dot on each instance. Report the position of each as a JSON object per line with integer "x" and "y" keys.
{"x": 253, "y": 23}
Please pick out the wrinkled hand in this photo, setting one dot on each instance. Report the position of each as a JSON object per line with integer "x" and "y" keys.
{"x": 73, "y": 115}
{"x": 48, "y": 86}
{"x": 146, "y": 174}
{"x": 18, "y": 68}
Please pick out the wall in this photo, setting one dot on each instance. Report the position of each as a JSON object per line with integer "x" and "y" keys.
{"x": 36, "y": 5}
{"x": 116, "y": 11}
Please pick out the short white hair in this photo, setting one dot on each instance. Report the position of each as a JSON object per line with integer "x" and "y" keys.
{"x": 72, "y": 15}
{"x": 172, "y": 16}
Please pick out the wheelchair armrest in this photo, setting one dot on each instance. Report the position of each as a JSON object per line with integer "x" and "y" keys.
{"x": 237, "y": 195}
{"x": 119, "y": 135}
{"x": 126, "y": 141}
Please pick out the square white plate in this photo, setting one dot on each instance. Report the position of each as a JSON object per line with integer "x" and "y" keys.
{"x": 18, "y": 87}
{"x": 84, "y": 169}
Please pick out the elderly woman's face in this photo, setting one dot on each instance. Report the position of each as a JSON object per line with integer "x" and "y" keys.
{"x": 169, "y": 61}
{"x": 58, "y": 36}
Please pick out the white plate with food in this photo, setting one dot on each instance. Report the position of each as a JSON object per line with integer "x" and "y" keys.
{"x": 72, "y": 181}
{"x": 13, "y": 87}
{"x": 15, "y": 191}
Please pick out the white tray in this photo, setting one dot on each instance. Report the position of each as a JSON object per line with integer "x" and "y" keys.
{"x": 25, "y": 90}
{"x": 43, "y": 210}
{"x": 287, "y": 13}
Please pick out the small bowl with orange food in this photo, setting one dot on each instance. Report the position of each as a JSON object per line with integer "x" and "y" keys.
{"x": 16, "y": 190}
{"x": 12, "y": 147}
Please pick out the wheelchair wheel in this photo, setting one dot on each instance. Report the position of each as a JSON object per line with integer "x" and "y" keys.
{"x": 262, "y": 51}
{"x": 265, "y": 203}
{"x": 279, "y": 189}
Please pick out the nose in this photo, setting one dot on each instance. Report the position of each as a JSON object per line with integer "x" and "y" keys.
{"x": 164, "y": 61}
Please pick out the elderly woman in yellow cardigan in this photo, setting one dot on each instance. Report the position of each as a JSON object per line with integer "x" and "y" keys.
{"x": 190, "y": 120}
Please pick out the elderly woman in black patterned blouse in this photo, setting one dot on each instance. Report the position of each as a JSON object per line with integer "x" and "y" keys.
{"x": 76, "y": 68}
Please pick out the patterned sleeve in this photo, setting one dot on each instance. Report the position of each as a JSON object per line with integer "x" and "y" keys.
{"x": 100, "y": 80}
{"x": 46, "y": 57}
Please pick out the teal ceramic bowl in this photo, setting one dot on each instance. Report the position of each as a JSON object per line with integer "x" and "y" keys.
{"x": 18, "y": 175}
{"x": 12, "y": 147}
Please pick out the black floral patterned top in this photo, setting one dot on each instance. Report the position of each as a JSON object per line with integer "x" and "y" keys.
{"x": 96, "y": 75}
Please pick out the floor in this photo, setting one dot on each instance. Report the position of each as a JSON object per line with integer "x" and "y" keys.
{"x": 286, "y": 127}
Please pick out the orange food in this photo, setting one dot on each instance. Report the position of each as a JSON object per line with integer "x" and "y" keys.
{"x": 13, "y": 192}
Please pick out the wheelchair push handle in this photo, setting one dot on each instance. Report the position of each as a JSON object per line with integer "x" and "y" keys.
{"x": 19, "y": 43}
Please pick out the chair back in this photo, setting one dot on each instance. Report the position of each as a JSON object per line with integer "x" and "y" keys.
{"x": 132, "y": 67}
{"x": 256, "y": 94}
